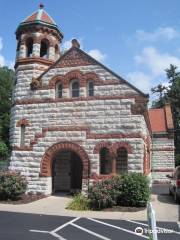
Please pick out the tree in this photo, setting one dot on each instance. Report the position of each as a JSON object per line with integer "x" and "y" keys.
{"x": 6, "y": 85}
{"x": 172, "y": 96}
{"x": 159, "y": 89}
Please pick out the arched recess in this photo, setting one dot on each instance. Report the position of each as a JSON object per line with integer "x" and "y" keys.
{"x": 47, "y": 160}
{"x": 125, "y": 145}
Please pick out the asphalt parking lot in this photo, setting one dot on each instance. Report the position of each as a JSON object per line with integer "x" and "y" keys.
{"x": 21, "y": 226}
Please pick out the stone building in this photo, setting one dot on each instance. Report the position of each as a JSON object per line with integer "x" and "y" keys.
{"x": 162, "y": 149}
{"x": 73, "y": 120}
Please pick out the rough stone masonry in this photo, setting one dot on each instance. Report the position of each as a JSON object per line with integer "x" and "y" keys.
{"x": 73, "y": 120}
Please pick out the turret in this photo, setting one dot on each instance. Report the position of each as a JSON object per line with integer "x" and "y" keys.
{"x": 38, "y": 39}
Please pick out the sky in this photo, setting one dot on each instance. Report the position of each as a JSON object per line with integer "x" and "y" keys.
{"x": 137, "y": 39}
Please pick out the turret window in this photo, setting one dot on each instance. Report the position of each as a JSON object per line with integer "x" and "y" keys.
{"x": 56, "y": 52}
{"x": 90, "y": 88}
{"x": 75, "y": 88}
{"x": 44, "y": 49}
{"x": 29, "y": 47}
{"x": 59, "y": 90}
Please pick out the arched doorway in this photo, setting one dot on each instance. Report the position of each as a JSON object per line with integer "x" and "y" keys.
{"x": 66, "y": 172}
{"x": 77, "y": 170}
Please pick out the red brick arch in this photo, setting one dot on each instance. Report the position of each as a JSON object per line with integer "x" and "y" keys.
{"x": 113, "y": 147}
{"x": 76, "y": 74}
{"x": 46, "y": 162}
{"x": 125, "y": 145}
{"x": 101, "y": 145}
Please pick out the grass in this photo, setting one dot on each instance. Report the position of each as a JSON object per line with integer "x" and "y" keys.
{"x": 79, "y": 203}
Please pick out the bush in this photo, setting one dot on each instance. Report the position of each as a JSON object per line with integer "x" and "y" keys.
{"x": 135, "y": 191}
{"x": 127, "y": 190}
{"x": 79, "y": 202}
{"x": 4, "y": 152}
{"x": 177, "y": 160}
{"x": 12, "y": 185}
{"x": 104, "y": 193}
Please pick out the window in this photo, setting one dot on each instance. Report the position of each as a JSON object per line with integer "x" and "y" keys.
{"x": 18, "y": 49}
{"x": 90, "y": 88}
{"x": 22, "y": 140}
{"x": 59, "y": 90}
{"x": 29, "y": 47}
{"x": 44, "y": 49}
{"x": 56, "y": 52}
{"x": 121, "y": 161}
{"x": 75, "y": 88}
{"x": 105, "y": 161}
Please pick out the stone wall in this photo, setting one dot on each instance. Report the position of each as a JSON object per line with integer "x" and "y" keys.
{"x": 84, "y": 122}
{"x": 162, "y": 158}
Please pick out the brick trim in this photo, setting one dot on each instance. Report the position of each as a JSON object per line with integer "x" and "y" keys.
{"x": 113, "y": 147}
{"x": 125, "y": 145}
{"x": 52, "y": 100}
{"x": 101, "y": 145}
{"x": 164, "y": 149}
{"x": 46, "y": 162}
{"x": 97, "y": 177}
{"x": 83, "y": 79}
{"x": 22, "y": 121}
{"x": 163, "y": 170}
{"x": 31, "y": 60}
{"x": 89, "y": 135}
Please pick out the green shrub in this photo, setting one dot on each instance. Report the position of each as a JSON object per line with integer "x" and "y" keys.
{"x": 12, "y": 185}
{"x": 4, "y": 151}
{"x": 79, "y": 202}
{"x": 177, "y": 160}
{"x": 104, "y": 194}
{"x": 135, "y": 191}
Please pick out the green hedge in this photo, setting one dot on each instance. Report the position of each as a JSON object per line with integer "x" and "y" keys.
{"x": 12, "y": 185}
{"x": 126, "y": 190}
{"x": 135, "y": 191}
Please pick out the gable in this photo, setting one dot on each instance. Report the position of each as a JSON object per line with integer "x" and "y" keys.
{"x": 76, "y": 57}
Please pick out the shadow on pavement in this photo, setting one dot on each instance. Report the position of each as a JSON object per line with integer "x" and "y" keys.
{"x": 162, "y": 192}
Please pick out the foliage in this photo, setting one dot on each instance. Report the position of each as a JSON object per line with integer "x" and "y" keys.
{"x": 6, "y": 85}
{"x": 79, "y": 202}
{"x": 135, "y": 191}
{"x": 12, "y": 185}
{"x": 127, "y": 190}
{"x": 171, "y": 95}
{"x": 177, "y": 160}
{"x": 4, "y": 151}
{"x": 159, "y": 89}
{"x": 104, "y": 193}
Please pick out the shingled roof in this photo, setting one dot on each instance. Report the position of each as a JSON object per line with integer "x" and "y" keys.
{"x": 40, "y": 15}
{"x": 161, "y": 119}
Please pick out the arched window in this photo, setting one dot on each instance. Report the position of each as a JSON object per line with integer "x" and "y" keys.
{"x": 75, "y": 88}
{"x": 29, "y": 47}
{"x": 105, "y": 161}
{"x": 122, "y": 161}
{"x": 18, "y": 48}
{"x": 56, "y": 52}
{"x": 44, "y": 49}
{"x": 90, "y": 88}
{"x": 22, "y": 140}
{"x": 59, "y": 90}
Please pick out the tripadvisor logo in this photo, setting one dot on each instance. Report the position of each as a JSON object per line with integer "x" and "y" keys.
{"x": 139, "y": 231}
